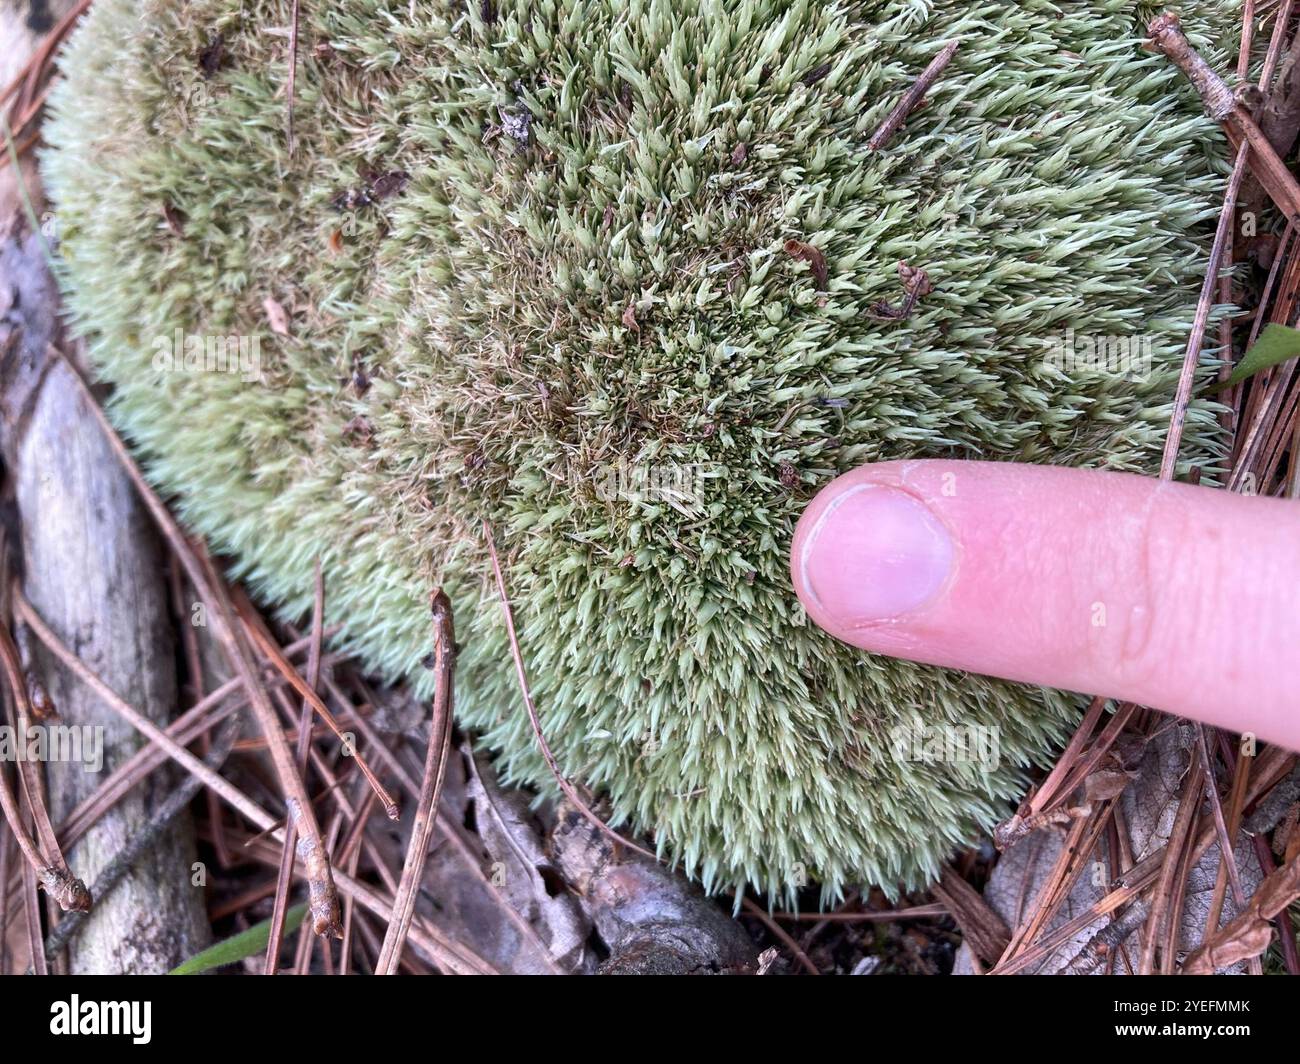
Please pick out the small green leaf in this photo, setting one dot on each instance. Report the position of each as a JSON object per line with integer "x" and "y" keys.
{"x": 237, "y": 947}
{"x": 1276, "y": 344}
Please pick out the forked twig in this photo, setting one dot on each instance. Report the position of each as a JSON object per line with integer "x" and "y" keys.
{"x": 1166, "y": 35}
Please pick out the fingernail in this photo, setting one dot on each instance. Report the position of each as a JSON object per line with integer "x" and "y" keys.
{"x": 875, "y": 553}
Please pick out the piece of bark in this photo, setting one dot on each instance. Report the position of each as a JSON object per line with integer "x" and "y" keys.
{"x": 93, "y": 569}
{"x": 651, "y": 919}
{"x": 515, "y": 862}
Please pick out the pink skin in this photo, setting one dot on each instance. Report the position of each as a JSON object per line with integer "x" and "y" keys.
{"x": 1182, "y": 598}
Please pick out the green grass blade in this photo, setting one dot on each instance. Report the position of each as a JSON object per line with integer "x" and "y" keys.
{"x": 237, "y": 947}
{"x": 1276, "y": 344}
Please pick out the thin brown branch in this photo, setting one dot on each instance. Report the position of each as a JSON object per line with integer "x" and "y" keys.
{"x": 569, "y": 790}
{"x": 194, "y": 668}
{"x": 1227, "y": 855}
{"x": 1166, "y": 34}
{"x": 293, "y": 73}
{"x": 5, "y": 851}
{"x": 868, "y": 916}
{"x": 32, "y": 913}
{"x": 1280, "y": 25}
{"x": 52, "y": 870}
{"x": 1174, "y": 853}
{"x": 281, "y": 905}
{"x": 912, "y": 98}
{"x": 13, "y": 817}
{"x": 435, "y": 769}
{"x": 1042, "y": 797}
{"x": 322, "y": 897}
{"x": 1247, "y": 38}
{"x": 1269, "y": 284}
{"x": 1240, "y": 767}
{"x": 781, "y": 935}
{"x": 268, "y": 646}
{"x": 1183, "y": 862}
{"x": 1204, "y": 306}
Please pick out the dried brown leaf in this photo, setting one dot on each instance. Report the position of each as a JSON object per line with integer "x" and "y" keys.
{"x": 1251, "y": 932}
{"x": 804, "y": 252}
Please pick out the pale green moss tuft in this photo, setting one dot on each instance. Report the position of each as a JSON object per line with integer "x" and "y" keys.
{"x": 567, "y": 162}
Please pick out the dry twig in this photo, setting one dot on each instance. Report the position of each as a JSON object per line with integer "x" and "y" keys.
{"x": 285, "y": 876}
{"x": 913, "y": 97}
{"x": 435, "y": 768}
{"x": 569, "y": 790}
{"x": 45, "y": 855}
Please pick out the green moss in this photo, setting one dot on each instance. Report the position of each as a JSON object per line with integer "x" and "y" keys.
{"x": 568, "y": 162}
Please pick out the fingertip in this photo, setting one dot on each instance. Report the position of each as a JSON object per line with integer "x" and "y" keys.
{"x": 869, "y": 551}
{"x": 1106, "y": 583}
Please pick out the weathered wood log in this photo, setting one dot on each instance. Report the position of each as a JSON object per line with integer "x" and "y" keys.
{"x": 92, "y": 566}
